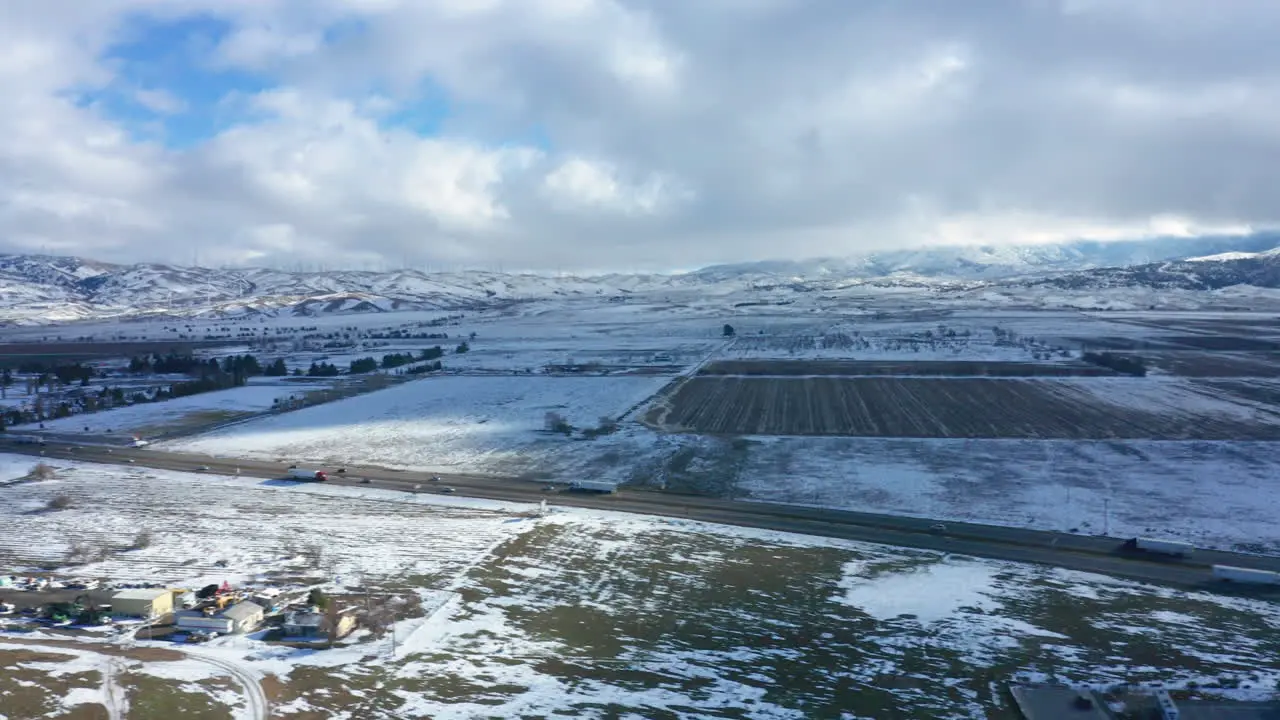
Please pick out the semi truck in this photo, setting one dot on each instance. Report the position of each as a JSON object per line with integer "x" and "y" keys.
{"x": 298, "y": 473}
{"x": 598, "y": 486}
{"x": 1252, "y": 576}
{"x": 1164, "y": 547}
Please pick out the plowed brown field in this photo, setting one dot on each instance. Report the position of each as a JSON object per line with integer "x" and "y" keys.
{"x": 931, "y": 408}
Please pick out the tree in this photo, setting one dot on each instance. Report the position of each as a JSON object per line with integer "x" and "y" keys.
{"x": 318, "y": 598}
{"x": 276, "y": 369}
{"x": 462, "y": 347}
{"x": 728, "y": 330}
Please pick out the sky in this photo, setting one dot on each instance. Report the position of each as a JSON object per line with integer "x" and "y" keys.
{"x": 626, "y": 134}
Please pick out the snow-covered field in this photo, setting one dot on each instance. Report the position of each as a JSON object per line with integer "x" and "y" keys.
{"x": 596, "y": 614}
{"x": 1215, "y": 494}
{"x": 209, "y": 528}
{"x": 485, "y": 424}
{"x": 257, "y": 396}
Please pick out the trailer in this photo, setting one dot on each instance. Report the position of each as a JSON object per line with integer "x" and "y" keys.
{"x": 1164, "y": 547}
{"x": 303, "y": 474}
{"x": 1230, "y": 573}
{"x": 598, "y": 486}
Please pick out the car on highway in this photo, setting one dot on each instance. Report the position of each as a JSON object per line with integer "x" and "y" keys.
{"x": 203, "y": 468}
{"x": 937, "y": 528}
{"x": 450, "y": 490}
{"x": 435, "y": 478}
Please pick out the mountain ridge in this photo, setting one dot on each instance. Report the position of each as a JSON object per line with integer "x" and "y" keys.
{"x": 40, "y": 289}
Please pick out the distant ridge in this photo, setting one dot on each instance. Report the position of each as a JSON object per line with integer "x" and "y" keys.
{"x": 40, "y": 289}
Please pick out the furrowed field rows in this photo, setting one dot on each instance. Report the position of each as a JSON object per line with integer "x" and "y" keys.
{"x": 952, "y": 368}
{"x": 959, "y": 408}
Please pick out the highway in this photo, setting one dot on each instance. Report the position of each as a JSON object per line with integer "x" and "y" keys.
{"x": 1069, "y": 551}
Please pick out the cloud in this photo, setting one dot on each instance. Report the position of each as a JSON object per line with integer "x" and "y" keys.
{"x": 160, "y": 101}
{"x": 580, "y": 184}
{"x": 627, "y": 133}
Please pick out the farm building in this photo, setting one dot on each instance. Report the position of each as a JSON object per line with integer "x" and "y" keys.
{"x": 312, "y": 625}
{"x": 196, "y": 620}
{"x": 244, "y": 616}
{"x": 142, "y": 603}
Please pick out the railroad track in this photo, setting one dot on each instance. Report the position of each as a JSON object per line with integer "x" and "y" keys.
{"x": 1069, "y": 551}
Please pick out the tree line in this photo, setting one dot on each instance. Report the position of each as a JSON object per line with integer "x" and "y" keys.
{"x": 395, "y": 360}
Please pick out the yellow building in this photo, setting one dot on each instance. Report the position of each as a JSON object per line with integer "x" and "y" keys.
{"x": 142, "y": 603}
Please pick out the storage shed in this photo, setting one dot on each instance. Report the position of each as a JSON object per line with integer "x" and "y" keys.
{"x": 244, "y": 616}
{"x": 142, "y": 603}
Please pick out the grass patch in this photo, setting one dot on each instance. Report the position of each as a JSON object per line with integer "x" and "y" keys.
{"x": 191, "y": 421}
{"x": 31, "y": 692}
{"x": 152, "y": 698}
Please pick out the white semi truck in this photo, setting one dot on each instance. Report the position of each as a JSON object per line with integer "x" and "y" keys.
{"x": 599, "y": 486}
{"x": 1164, "y": 547}
{"x": 298, "y": 473}
{"x": 1246, "y": 575}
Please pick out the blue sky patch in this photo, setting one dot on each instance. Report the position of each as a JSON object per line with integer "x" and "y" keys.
{"x": 174, "y": 56}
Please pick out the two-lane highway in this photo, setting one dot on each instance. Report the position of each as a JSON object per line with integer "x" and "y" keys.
{"x": 1065, "y": 550}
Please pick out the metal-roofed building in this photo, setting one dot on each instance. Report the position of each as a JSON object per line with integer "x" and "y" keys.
{"x": 244, "y": 616}
{"x": 142, "y": 602}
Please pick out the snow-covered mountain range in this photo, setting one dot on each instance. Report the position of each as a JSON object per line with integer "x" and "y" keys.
{"x": 37, "y": 288}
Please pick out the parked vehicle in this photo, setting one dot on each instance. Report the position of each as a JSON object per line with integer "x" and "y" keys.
{"x": 1251, "y": 576}
{"x": 298, "y": 473}
{"x": 598, "y": 486}
{"x": 1164, "y": 547}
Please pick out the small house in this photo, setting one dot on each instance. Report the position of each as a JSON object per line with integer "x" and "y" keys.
{"x": 142, "y": 603}
{"x": 244, "y": 616}
{"x": 310, "y": 625}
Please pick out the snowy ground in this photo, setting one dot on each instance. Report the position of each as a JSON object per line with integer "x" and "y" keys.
{"x": 208, "y": 528}
{"x": 493, "y": 424}
{"x": 1215, "y": 494}
{"x": 597, "y": 614}
{"x": 257, "y": 396}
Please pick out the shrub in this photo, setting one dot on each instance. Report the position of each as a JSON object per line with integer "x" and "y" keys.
{"x": 555, "y": 422}
{"x": 41, "y": 471}
{"x": 60, "y": 501}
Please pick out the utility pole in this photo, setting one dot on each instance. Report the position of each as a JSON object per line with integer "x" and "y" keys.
{"x": 1106, "y": 516}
